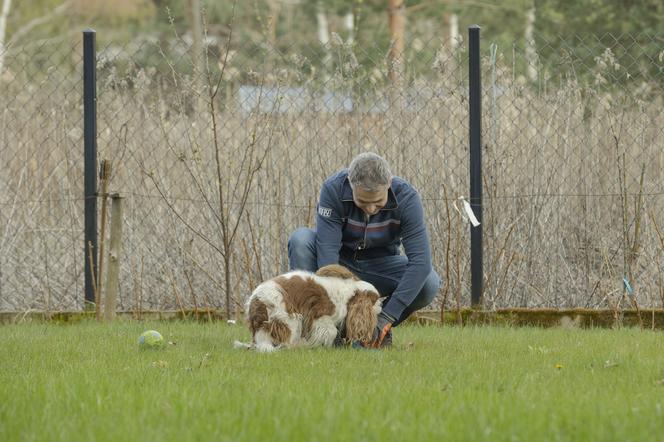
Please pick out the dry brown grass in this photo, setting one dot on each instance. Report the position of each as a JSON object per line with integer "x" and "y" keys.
{"x": 553, "y": 215}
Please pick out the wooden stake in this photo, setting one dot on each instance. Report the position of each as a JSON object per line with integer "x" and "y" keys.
{"x": 114, "y": 251}
{"x": 104, "y": 174}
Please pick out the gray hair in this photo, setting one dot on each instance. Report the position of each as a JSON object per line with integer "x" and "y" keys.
{"x": 370, "y": 172}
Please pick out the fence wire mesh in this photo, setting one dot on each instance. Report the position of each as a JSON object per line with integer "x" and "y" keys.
{"x": 220, "y": 157}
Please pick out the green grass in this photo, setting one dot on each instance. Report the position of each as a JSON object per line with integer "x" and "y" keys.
{"x": 90, "y": 382}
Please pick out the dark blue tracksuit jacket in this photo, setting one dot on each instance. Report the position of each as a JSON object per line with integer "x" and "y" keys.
{"x": 343, "y": 230}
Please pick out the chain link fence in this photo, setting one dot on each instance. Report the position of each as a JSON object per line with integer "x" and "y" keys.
{"x": 220, "y": 157}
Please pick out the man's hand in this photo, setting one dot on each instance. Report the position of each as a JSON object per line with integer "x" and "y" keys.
{"x": 383, "y": 327}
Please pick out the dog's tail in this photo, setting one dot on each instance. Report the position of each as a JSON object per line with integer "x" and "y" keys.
{"x": 243, "y": 345}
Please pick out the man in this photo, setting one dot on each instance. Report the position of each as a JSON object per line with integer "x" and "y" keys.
{"x": 364, "y": 214}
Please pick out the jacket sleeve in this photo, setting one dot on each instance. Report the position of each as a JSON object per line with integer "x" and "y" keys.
{"x": 329, "y": 222}
{"x": 415, "y": 240}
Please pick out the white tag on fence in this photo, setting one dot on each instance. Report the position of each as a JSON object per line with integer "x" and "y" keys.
{"x": 468, "y": 211}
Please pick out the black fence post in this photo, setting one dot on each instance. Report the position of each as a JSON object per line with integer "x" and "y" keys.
{"x": 475, "y": 124}
{"x": 90, "y": 161}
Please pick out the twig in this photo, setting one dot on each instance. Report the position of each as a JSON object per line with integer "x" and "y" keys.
{"x": 592, "y": 293}
{"x": 659, "y": 233}
{"x": 175, "y": 291}
{"x": 187, "y": 270}
{"x": 189, "y": 170}
{"x": 254, "y": 247}
{"x": 247, "y": 264}
{"x": 635, "y": 304}
{"x": 499, "y": 255}
{"x": 507, "y": 267}
{"x": 446, "y": 290}
{"x": 135, "y": 288}
{"x": 140, "y": 287}
{"x": 217, "y": 283}
{"x": 659, "y": 266}
{"x": 177, "y": 214}
{"x": 228, "y": 47}
{"x": 237, "y": 282}
{"x": 458, "y": 271}
{"x": 22, "y": 317}
{"x": 94, "y": 280}
{"x": 614, "y": 307}
{"x": 209, "y": 308}
{"x": 638, "y": 209}
{"x": 191, "y": 292}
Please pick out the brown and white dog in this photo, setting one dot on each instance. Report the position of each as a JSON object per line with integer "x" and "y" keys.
{"x": 302, "y": 308}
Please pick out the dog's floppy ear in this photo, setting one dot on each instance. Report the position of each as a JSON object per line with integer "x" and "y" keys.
{"x": 336, "y": 271}
{"x": 361, "y": 318}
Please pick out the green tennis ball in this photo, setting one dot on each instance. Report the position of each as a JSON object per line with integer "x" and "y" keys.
{"x": 151, "y": 339}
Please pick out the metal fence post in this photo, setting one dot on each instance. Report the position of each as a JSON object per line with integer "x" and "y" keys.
{"x": 90, "y": 161}
{"x": 475, "y": 124}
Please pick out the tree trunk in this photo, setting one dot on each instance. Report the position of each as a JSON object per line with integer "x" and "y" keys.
{"x": 324, "y": 37}
{"x": 349, "y": 24}
{"x": 531, "y": 53}
{"x": 6, "y": 7}
{"x": 227, "y": 284}
{"x": 197, "y": 53}
{"x": 397, "y": 19}
{"x": 275, "y": 9}
{"x": 454, "y": 32}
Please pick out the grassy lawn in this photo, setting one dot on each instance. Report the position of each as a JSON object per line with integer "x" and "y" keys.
{"x": 90, "y": 382}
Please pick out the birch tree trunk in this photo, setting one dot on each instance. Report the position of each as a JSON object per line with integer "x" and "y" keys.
{"x": 6, "y": 7}
{"x": 349, "y": 24}
{"x": 454, "y": 32}
{"x": 324, "y": 37}
{"x": 448, "y": 61}
{"x": 531, "y": 52}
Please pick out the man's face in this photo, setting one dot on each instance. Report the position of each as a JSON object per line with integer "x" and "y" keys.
{"x": 370, "y": 202}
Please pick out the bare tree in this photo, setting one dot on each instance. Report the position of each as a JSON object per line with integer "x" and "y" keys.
{"x": 234, "y": 168}
{"x": 251, "y": 162}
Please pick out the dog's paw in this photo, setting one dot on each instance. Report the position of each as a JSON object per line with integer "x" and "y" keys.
{"x": 242, "y": 345}
{"x": 265, "y": 347}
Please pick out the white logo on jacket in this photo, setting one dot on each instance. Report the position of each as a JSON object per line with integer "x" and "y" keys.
{"x": 325, "y": 212}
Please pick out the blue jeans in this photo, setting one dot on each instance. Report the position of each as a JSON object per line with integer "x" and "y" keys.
{"x": 384, "y": 273}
